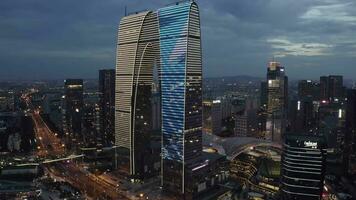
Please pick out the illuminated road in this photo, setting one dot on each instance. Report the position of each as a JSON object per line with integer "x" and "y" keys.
{"x": 50, "y": 146}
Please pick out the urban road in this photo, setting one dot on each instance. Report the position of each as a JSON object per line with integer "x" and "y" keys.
{"x": 51, "y": 146}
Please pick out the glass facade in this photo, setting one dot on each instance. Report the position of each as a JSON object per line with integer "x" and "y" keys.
{"x": 181, "y": 70}
{"x": 277, "y": 98}
{"x": 173, "y": 24}
{"x": 303, "y": 167}
{"x": 138, "y": 53}
{"x": 173, "y": 35}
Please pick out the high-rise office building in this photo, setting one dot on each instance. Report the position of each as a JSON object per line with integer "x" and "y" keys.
{"x": 308, "y": 89}
{"x": 241, "y": 125}
{"x": 349, "y": 158}
{"x": 91, "y": 120}
{"x": 138, "y": 50}
{"x": 212, "y": 117}
{"x": 335, "y": 88}
{"x": 262, "y": 112}
{"x": 263, "y": 93}
{"x": 181, "y": 90}
{"x": 324, "y": 94}
{"x": 107, "y": 105}
{"x": 73, "y": 111}
{"x": 303, "y": 114}
{"x": 246, "y": 120}
{"x": 331, "y": 122}
{"x": 277, "y": 93}
{"x": 331, "y": 87}
{"x": 303, "y": 167}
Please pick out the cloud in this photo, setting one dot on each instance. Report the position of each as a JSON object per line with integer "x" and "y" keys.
{"x": 332, "y": 11}
{"x": 285, "y": 47}
{"x": 76, "y": 38}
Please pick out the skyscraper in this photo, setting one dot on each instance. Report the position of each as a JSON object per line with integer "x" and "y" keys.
{"x": 324, "y": 92}
{"x": 303, "y": 114}
{"x": 307, "y": 89}
{"x": 107, "y": 105}
{"x": 73, "y": 110}
{"x": 181, "y": 89}
{"x": 91, "y": 120}
{"x": 241, "y": 125}
{"x": 303, "y": 167}
{"x": 335, "y": 87}
{"x": 138, "y": 50}
{"x": 263, "y": 93}
{"x": 277, "y": 94}
{"x": 350, "y": 135}
{"x": 331, "y": 87}
{"x": 212, "y": 117}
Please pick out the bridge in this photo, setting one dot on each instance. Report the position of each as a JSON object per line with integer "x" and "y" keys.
{"x": 234, "y": 146}
{"x": 48, "y": 161}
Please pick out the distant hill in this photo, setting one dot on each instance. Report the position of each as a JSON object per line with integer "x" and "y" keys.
{"x": 236, "y": 78}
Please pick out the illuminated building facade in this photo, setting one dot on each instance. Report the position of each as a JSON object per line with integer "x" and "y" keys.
{"x": 181, "y": 91}
{"x": 277, "y": 98}
{"x": 212, "y": 117}
{"x": 303, "y": 167}
{"x": 138, "y": 50}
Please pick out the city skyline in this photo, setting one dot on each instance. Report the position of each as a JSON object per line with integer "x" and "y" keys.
{"x": 239, "y": 38}
{"x": 158, "y": 126}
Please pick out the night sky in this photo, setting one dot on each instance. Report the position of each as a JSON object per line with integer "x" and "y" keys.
{"x": 47, "y": 39}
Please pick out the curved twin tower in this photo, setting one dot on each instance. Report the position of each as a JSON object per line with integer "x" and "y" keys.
{"x": 168, "y": 39}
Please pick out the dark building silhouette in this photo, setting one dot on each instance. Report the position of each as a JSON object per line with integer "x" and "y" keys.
{"x": 303, "y": 114}
{"x": 324, "y": 94}
{"x": 91, "y": 120}
{"x": 331, "y": 87}
{"x": 73, "y": 111}
{"x": 336, "y": 89}
{"x": 350, "y": 137}
{"x": 107, "y": 105}
{"x": 263, "y": 93}
{"x": 308, "y": 88}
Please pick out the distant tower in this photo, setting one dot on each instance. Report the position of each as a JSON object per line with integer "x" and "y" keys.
{"x": 212, "y": 117}
{"x": 73, "y": 110}
{"x": 324, "y": 89}
{"x": 107, "y": 105}
{"x": 331, "y": 87}
{"x": 336, "y": 90}
{"x": 350, "y": 135}
{"x": 277, "y": 99}
{"x": 263, "y": 94}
